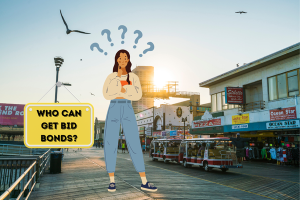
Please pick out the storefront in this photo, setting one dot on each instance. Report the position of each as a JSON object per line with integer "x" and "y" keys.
{"x": 268, "y": 137}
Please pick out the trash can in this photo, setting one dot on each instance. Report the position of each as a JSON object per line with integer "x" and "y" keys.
{"x": 55, "y": 162}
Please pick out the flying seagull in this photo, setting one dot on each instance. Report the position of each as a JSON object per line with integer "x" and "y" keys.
{"x": 68, "y": 30}
{"x": 92, "y": 94}
{"x": 241, "y": 12}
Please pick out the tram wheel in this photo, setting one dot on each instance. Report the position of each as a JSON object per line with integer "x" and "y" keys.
{"x": 224, "y": 169}
{"x": 185, "y": 164}
{"x": 165, "y": 161}
{"x": 153, "y": 159}
{"x": 206, "y": 168}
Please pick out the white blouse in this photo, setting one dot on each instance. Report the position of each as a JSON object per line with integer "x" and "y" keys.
{"x": 113, "y": 84}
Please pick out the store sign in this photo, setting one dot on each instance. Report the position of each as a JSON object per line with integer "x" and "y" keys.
{"x": 163, "y": 133}
{"x": 240, "y": 126}
{"x": 283, "y": 124}
{"x": 234, "y": 95}
{"x": 148, "y": 131}
{"x": 58, "y": 125}
{"x": 202, "y": 123}
{"x": 11, "y": 114}
{"x": 173, "y": 133}
{"x": 155, "y": 134}
{"x": 284, "y": 113}
{"x": 240, "y": 119}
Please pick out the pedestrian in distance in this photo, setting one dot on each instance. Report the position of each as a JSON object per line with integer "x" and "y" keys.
{"x": 123, "y": 147}
{"x": 240, "y": 144}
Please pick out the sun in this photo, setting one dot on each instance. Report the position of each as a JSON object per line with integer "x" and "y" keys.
{"x": 159, "y": 81}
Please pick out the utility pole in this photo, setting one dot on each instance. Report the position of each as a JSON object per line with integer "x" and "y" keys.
{"x": 184, "y": 120}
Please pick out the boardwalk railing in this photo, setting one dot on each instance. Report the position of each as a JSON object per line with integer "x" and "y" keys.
{"x": 18, "y": 176}
{"x": 20, "y": 150}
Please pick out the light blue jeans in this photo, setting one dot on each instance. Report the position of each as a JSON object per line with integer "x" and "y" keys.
{"x": 121, "y": 111}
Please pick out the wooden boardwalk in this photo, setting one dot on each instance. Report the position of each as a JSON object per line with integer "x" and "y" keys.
{"x": 81, "y": 178}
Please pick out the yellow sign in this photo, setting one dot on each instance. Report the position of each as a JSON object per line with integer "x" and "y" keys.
{"x": 240, "y": 119}
{"x": 58, "y": 125}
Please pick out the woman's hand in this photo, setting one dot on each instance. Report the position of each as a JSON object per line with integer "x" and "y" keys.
{"x": 119, "y": 72}
{"x": 123, "y": 90}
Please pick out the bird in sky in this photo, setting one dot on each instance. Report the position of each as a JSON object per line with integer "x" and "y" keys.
{"x": 241, "y": 12}
{"x": 92, "y": 94}
{"x": 68, "y": 30}
{"x": 80, "y": 59}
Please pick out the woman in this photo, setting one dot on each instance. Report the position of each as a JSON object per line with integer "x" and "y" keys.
{"x": 122, "y": 87}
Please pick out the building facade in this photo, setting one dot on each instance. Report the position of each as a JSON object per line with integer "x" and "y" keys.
{"x": 270, "y": 111}
{"x": 146, "y": 76}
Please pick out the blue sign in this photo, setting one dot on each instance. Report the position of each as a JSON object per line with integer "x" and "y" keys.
{"x": 173, "y": 133}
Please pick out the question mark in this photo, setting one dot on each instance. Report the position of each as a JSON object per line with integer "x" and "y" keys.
{"x": 108, "y": 35}
{"x": 124, "y": 31}
{"x": 140, "y": 34}
{"x": 149, "y": 49}
{"x": 97, "y": 46}
{"x": 75, "y": 138}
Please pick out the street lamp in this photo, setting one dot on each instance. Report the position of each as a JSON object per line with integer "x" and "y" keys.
{"x": 58, "y": 62}
{"x": 184, "y": 120}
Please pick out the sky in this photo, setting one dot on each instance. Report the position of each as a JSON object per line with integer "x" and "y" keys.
{"x": 193, "y": 42}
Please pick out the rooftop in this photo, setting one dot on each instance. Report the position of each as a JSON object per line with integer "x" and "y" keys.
{"x": 262, "y": 62}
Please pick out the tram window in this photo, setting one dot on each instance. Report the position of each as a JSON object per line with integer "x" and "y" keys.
{"x": 182, "y": 148}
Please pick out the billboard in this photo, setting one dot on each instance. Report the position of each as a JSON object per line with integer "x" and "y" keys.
{"x": 12, "y": 114}
{"x": 234, "y": 95}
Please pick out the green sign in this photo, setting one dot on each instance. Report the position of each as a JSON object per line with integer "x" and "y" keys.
{"x": 216, "y": 129}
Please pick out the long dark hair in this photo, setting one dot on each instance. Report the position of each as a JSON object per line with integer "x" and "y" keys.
{"x": 128, "y": 66}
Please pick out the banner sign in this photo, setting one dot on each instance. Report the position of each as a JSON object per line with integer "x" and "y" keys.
{"x": 11, "y": 114}
{"x": 60, "y": 125}
{"x": 284, "y": 113}
{"x": 234, "y": 95}
{"x": 163, "y": 133}
{"x": 240, "y": 119}
{"x": 173, "y": 133}
{"x": 283, "y": 124}
{"x": 202, "y": 123}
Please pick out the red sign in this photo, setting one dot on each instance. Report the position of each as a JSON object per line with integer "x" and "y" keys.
{"x": 284, "y": 113}
{"x": 200, "y": 123}
{"x": 12, "y": 114}
{"x": 234, "y": 95}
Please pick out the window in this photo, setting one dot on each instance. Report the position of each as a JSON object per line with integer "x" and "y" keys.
{"x": 284, "y": 85}
{"x": 225, "y": 106}
{"x": 218, "y": 103}
{"x": 213, "y": 103}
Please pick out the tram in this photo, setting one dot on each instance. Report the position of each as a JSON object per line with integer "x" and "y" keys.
{"x": 165, "y": 149}
{"x": 208, "y": 153}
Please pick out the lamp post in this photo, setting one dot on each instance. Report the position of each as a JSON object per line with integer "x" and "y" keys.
{"x": 58, "y": 62}
{"x": 184, "y": 120}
